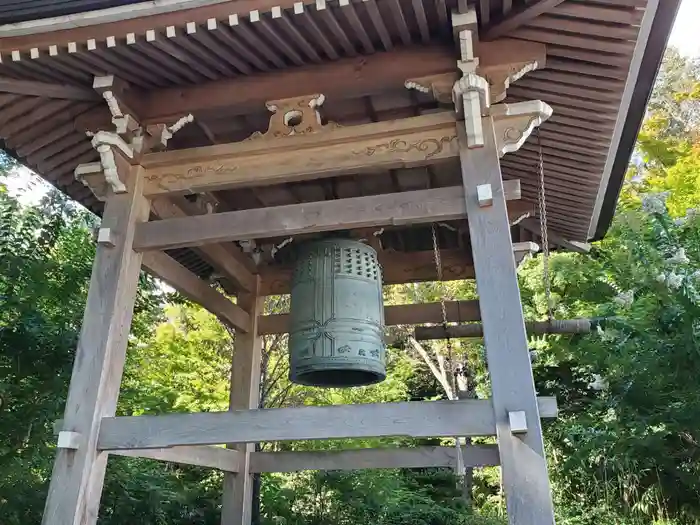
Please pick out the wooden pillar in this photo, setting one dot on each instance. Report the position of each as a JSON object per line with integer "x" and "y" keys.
{"x": 523, "y": 464}
{"x": 245, "y": 394}
{"x": 78, "y": 473}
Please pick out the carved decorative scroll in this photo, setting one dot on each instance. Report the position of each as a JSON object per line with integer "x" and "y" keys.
{"x": 513, "y": 123}
{"x": 294, "y": 116}
{"x": 500, "y": 78}
{"x": 125, "y": 144}
{"x": 501, "y": 63}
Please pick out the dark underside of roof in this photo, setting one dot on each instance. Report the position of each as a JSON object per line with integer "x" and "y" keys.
{"x": 14, "y": 11}
{"x": 649, "y": 68}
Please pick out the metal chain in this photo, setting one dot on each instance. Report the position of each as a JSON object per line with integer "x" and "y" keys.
{"x": 438, "y": 268}
{"x": 543, "y": 231}
{"x": 461, "y": 470}
{"x": 443, "y": 308}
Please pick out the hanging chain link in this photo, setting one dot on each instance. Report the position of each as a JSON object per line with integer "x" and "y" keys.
{"x": 461, "y": 470}
{"x": 543, "y": 231}
{"x": 438, "y": 268}
{"x": 443, "y": 308}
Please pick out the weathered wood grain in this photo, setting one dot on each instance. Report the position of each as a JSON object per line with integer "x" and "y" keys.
{"x": 518, "y": 18}
{"x": 416, "y": 141}
{"x": 211, "y": 457}
{"x": 457, "y": 312}
{"x": 370, "y": 458}
{"x": 237, "y": 503}
{"x": 523, "y": 463}
{"x": 410, "y": 207}
{"x": 45, "y": 89}
{"x": 188, "y": 284}
{"x": 417, "y": 419}
{"x": 78, "y": 475}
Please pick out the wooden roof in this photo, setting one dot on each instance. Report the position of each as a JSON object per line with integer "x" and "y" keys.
{"x": 223, "y": 60}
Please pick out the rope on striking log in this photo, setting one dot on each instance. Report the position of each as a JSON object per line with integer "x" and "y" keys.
{"x": 567, "y": 326}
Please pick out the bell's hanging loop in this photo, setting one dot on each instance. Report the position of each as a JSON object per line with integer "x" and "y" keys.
{"x": 337, "y": 316}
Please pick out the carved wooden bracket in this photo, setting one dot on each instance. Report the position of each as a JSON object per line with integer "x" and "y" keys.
{"x": 471, "y": 93}
{"x": 507, "y": 60}
{"x": 500, "y": 79}
{"x": 513, "y": 123}
{"x": 112, "y": 170}
{"x": 500, "y": 62}
{"x": 294, "y": 116}
{"x": 472, "y": 100}
{"x": 113, "y": 90}
{"x": 124, "y": 146}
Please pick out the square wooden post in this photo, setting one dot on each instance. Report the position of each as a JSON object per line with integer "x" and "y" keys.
{"x": 245, "y": 394}
{"x": 78, "y": 473}
{"x": 523, "y": 463}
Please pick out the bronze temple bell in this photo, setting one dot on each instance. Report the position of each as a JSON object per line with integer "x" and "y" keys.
{"x": 337, "y": 316}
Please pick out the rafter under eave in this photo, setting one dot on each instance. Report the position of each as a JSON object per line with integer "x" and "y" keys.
{"x": 45, "y": 89}
{"x": 517, "y": 18}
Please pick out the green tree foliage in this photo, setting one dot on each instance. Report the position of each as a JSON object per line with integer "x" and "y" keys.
{"x": 624, "y": 449}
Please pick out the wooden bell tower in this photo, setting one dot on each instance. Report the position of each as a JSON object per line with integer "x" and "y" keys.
{"x": 211, "y": 134}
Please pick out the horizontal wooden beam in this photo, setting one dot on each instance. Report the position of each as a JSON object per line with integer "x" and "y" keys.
{"x": 397, "y": 268}
{"x": 417, "y": 419}
{"x": 45, "y": 89}
{"x": 457, "y": 312}
{"x": 370, "y": 458}
{"x": 565, "y": 326}
{"x": 345, "y": 78}
{"x": 213, "y": 457}
{"x": 348, "y": 77}
{"x": 411, "y": 207}
{"x": 365, "y": 148}
{"x": 166, "y": 268}
{"x": 227, "y": 260}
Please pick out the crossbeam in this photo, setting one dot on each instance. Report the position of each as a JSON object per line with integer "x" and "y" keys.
{"x": 348, "y": 77}
{"x": 417, "y": 419}
{"x": 397, "y": 268}
{"x": 416, "y": 141}
{"x": 211, "y": 457}
{"x": 188, "y": 284}
{"x": 411, "y": 207}
{"x": 457, "y": 312}
{"x": 345, "y": 78}
{"x": 371, "y": 458}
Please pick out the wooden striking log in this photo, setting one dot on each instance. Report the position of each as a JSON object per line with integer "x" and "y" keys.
{"x": 568, "y": 326}
{"x": 417, "y": 419}
{"x": 369, "y": 458}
